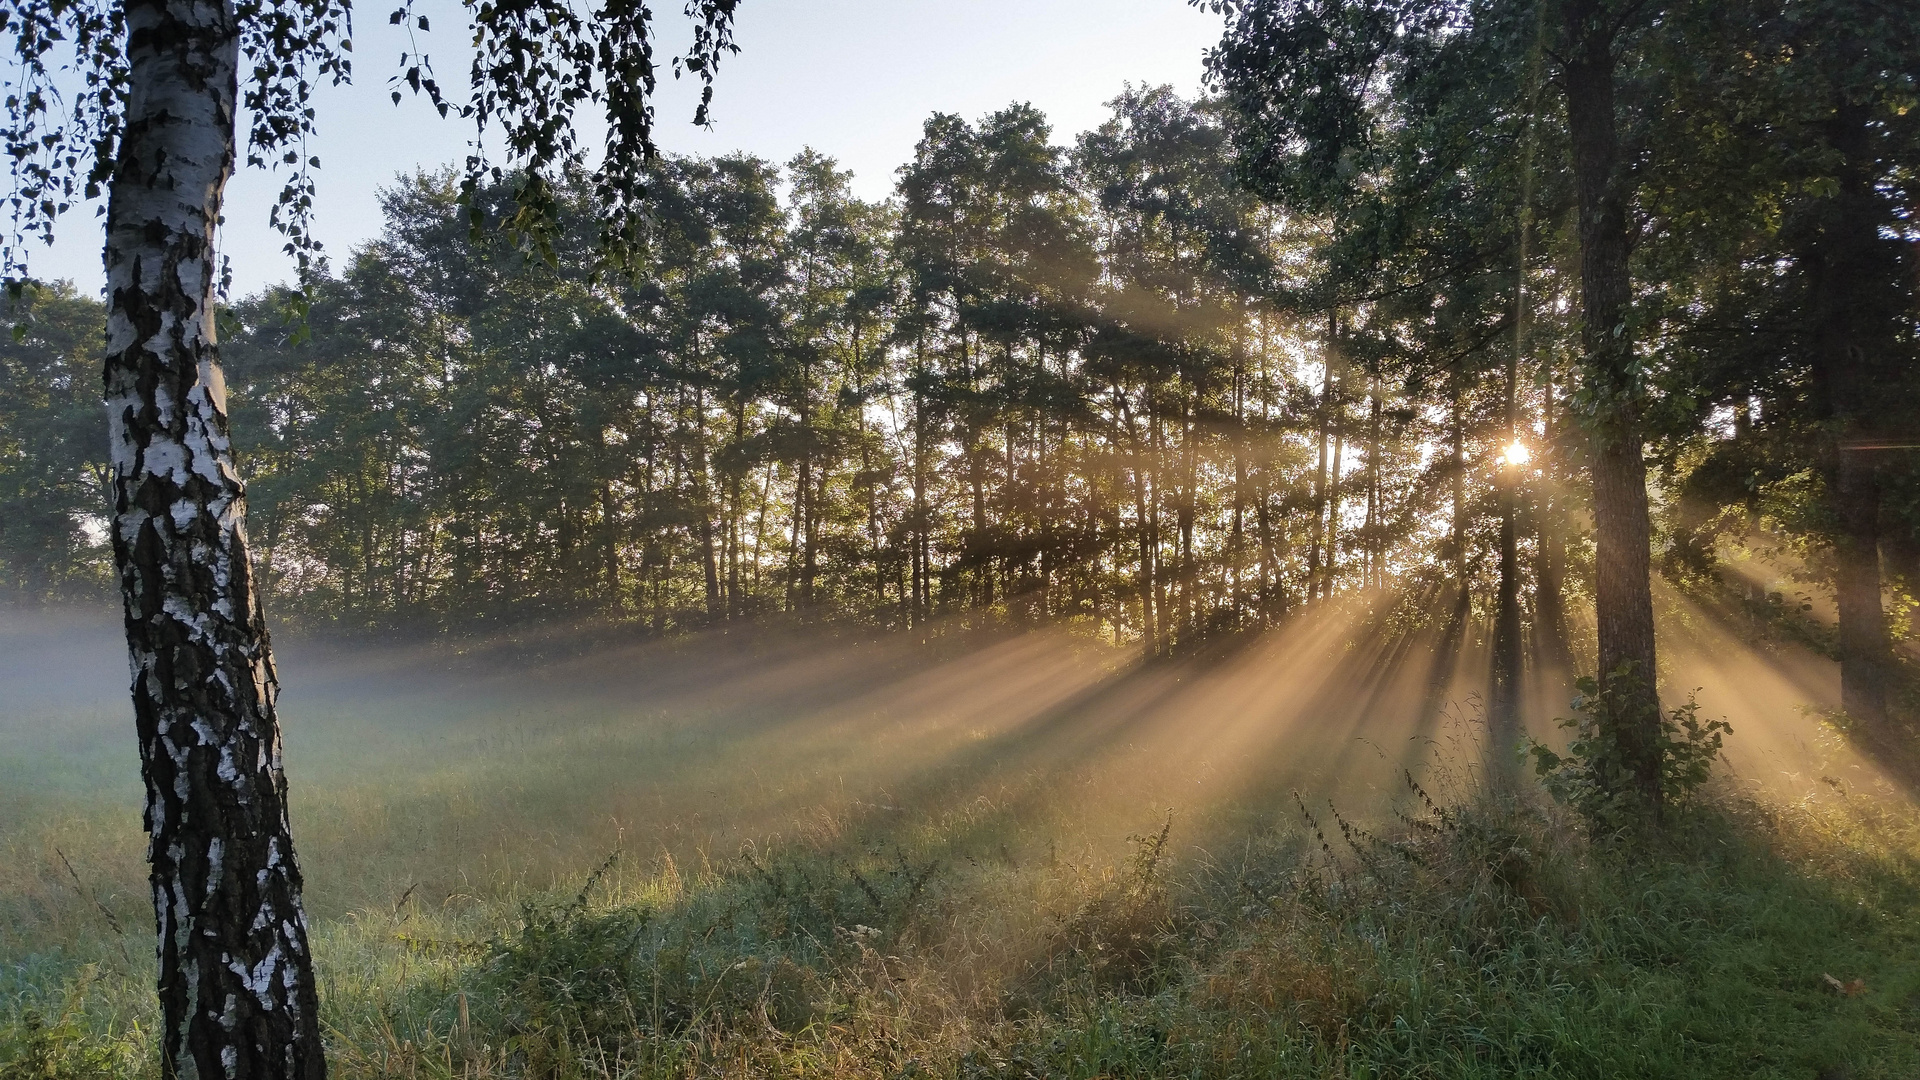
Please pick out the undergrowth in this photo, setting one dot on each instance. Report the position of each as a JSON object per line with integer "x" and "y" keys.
{"x": 1465, "y": 937}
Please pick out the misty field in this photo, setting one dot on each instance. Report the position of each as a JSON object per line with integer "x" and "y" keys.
{"x": 1006, "y": 854}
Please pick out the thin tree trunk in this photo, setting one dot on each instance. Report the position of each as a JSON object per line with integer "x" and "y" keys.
{"x": 1504, "y": 697}
{"x": 736, "y": 601}
{"x": 1332, "y": 560}
{"x": 1850, "y": 263}
{"x": 1236, "y": 544}
{"x": 1142, "y": 501}
{"x": 1373, "y": 576}
{"x": 922, "y": 585}
{"x": 1320, "y": 477}
{"x": 609, "y": 521}
{"x": 800, "y": 488}
{"x": 1190, "y": 480}
{"x": 760, "y": 524}
{"x": 702, "y": 495}
{"x": 1156, "y": 488}
{"x": 236, "y": 984}
{"x": 1457, "y": 480}
{"x": 810, "y": 571}
{"x": 1863, "y": 624}
{"x": 1549, "y": 609}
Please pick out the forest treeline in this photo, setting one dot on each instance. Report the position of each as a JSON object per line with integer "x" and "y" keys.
{"x": 1106, "y": 382}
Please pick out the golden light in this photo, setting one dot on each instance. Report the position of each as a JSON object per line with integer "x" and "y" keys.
{"x": 1516, "y": 454}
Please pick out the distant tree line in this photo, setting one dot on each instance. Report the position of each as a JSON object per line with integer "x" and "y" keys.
{"x": 1112, "y": 383}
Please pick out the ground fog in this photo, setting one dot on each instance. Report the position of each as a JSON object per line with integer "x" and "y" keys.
{"x": 834, "y": 853}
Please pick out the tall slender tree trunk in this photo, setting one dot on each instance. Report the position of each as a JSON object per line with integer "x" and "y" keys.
{"x": 1190, "y": 483}
{"x": 1156, "y": 494}
{"x": 1623, "y": 586}
{"x": 1236, "y": 544}
{"x": 810, "y": 572}
{"x": 736, "y": 510}
{"x": 1549, "y": 609}
{"x": 922, "y": 583}
{"x": 800, "y": 488}
{"x": 1457, "y": 480}
{"x": 1507, "y": 651}
{"x": 1044, "y": 479}
{"x": 236, "y": 984}
{"x": 1504, "y": 698}
{"x": 803, "y": 491}
{"x": 1142, "y": 511}
{"x": 1272, "y": 582}
{"x": 1331, "y": 562}
{"x": 1863, "y": 625}
{"x": 1372, "y": 575}
{"x": 1851, "y": 265}
{"x": 1320, "y": 481}
{"x": 702, "y": 493}
{"x": 760, "y": 524}
{"x": 610, "y": 547}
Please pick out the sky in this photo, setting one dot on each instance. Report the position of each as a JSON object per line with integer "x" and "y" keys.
{"x": 854, "y": 79}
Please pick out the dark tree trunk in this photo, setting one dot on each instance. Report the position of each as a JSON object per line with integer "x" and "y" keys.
{"x": 1236, "y": 543}
{"x": 1189, "y": 482}
{"x": 1330, "y": 564}
{"x": 1852, "y": 266}
{"x": 702, "y": 493}
{"x": 1374, "y": 577}
{"x": 1457, "y": 481}
{"x": 610, "y": 548}
{"x": 1507, "y": 656}
{"x": 1143, "y": 516}
{"x": 1549, "y": 609}
{"x": 922, "y": 571}
{"x": 1504, "y": 701}
{"x": 235, "y": 977}
{"x": 1623, "y": 587}
{"x": 1315, "y": 540}
{"x": 1863, "y": 626}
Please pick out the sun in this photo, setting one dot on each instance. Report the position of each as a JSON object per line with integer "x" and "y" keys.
{"x": 1516, "y": 454}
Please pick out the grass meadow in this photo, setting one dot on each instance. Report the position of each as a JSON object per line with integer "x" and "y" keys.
{"x": 980, "y": 855}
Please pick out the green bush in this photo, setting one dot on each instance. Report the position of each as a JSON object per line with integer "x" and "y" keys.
{"x": 1596, "y": 775}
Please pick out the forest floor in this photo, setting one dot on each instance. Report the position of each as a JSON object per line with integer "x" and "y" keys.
{"x": 988, "y": 855}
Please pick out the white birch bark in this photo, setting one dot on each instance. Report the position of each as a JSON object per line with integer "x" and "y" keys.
{"x": 236, "y": 980}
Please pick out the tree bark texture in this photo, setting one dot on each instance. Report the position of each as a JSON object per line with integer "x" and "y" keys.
{"x": 1852, "y": 266}
{"x": 1855, "y": 499}
{"x": 236, "y": 982}
{"x": 1623, "y": 587}
{"x": 1549, "y": 611}
{"x": 1504, "y": 700}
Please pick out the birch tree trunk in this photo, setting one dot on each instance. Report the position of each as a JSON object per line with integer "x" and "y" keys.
{"x": 236, "y": 982}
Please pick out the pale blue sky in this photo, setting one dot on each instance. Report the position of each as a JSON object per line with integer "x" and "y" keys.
{"x": 852, "y": 78}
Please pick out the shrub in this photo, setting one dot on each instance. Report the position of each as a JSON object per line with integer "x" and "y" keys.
{"x": 1595, "y": 776}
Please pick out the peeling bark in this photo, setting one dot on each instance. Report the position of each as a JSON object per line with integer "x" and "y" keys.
{"x": 236, "y": 982}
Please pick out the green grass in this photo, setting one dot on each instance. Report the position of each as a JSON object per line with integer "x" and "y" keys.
{"x": 794, "y": 881}
{"x": 1493, "y": 942}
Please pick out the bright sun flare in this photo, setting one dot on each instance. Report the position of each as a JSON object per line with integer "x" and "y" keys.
{"x": 1517, "y": 454}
